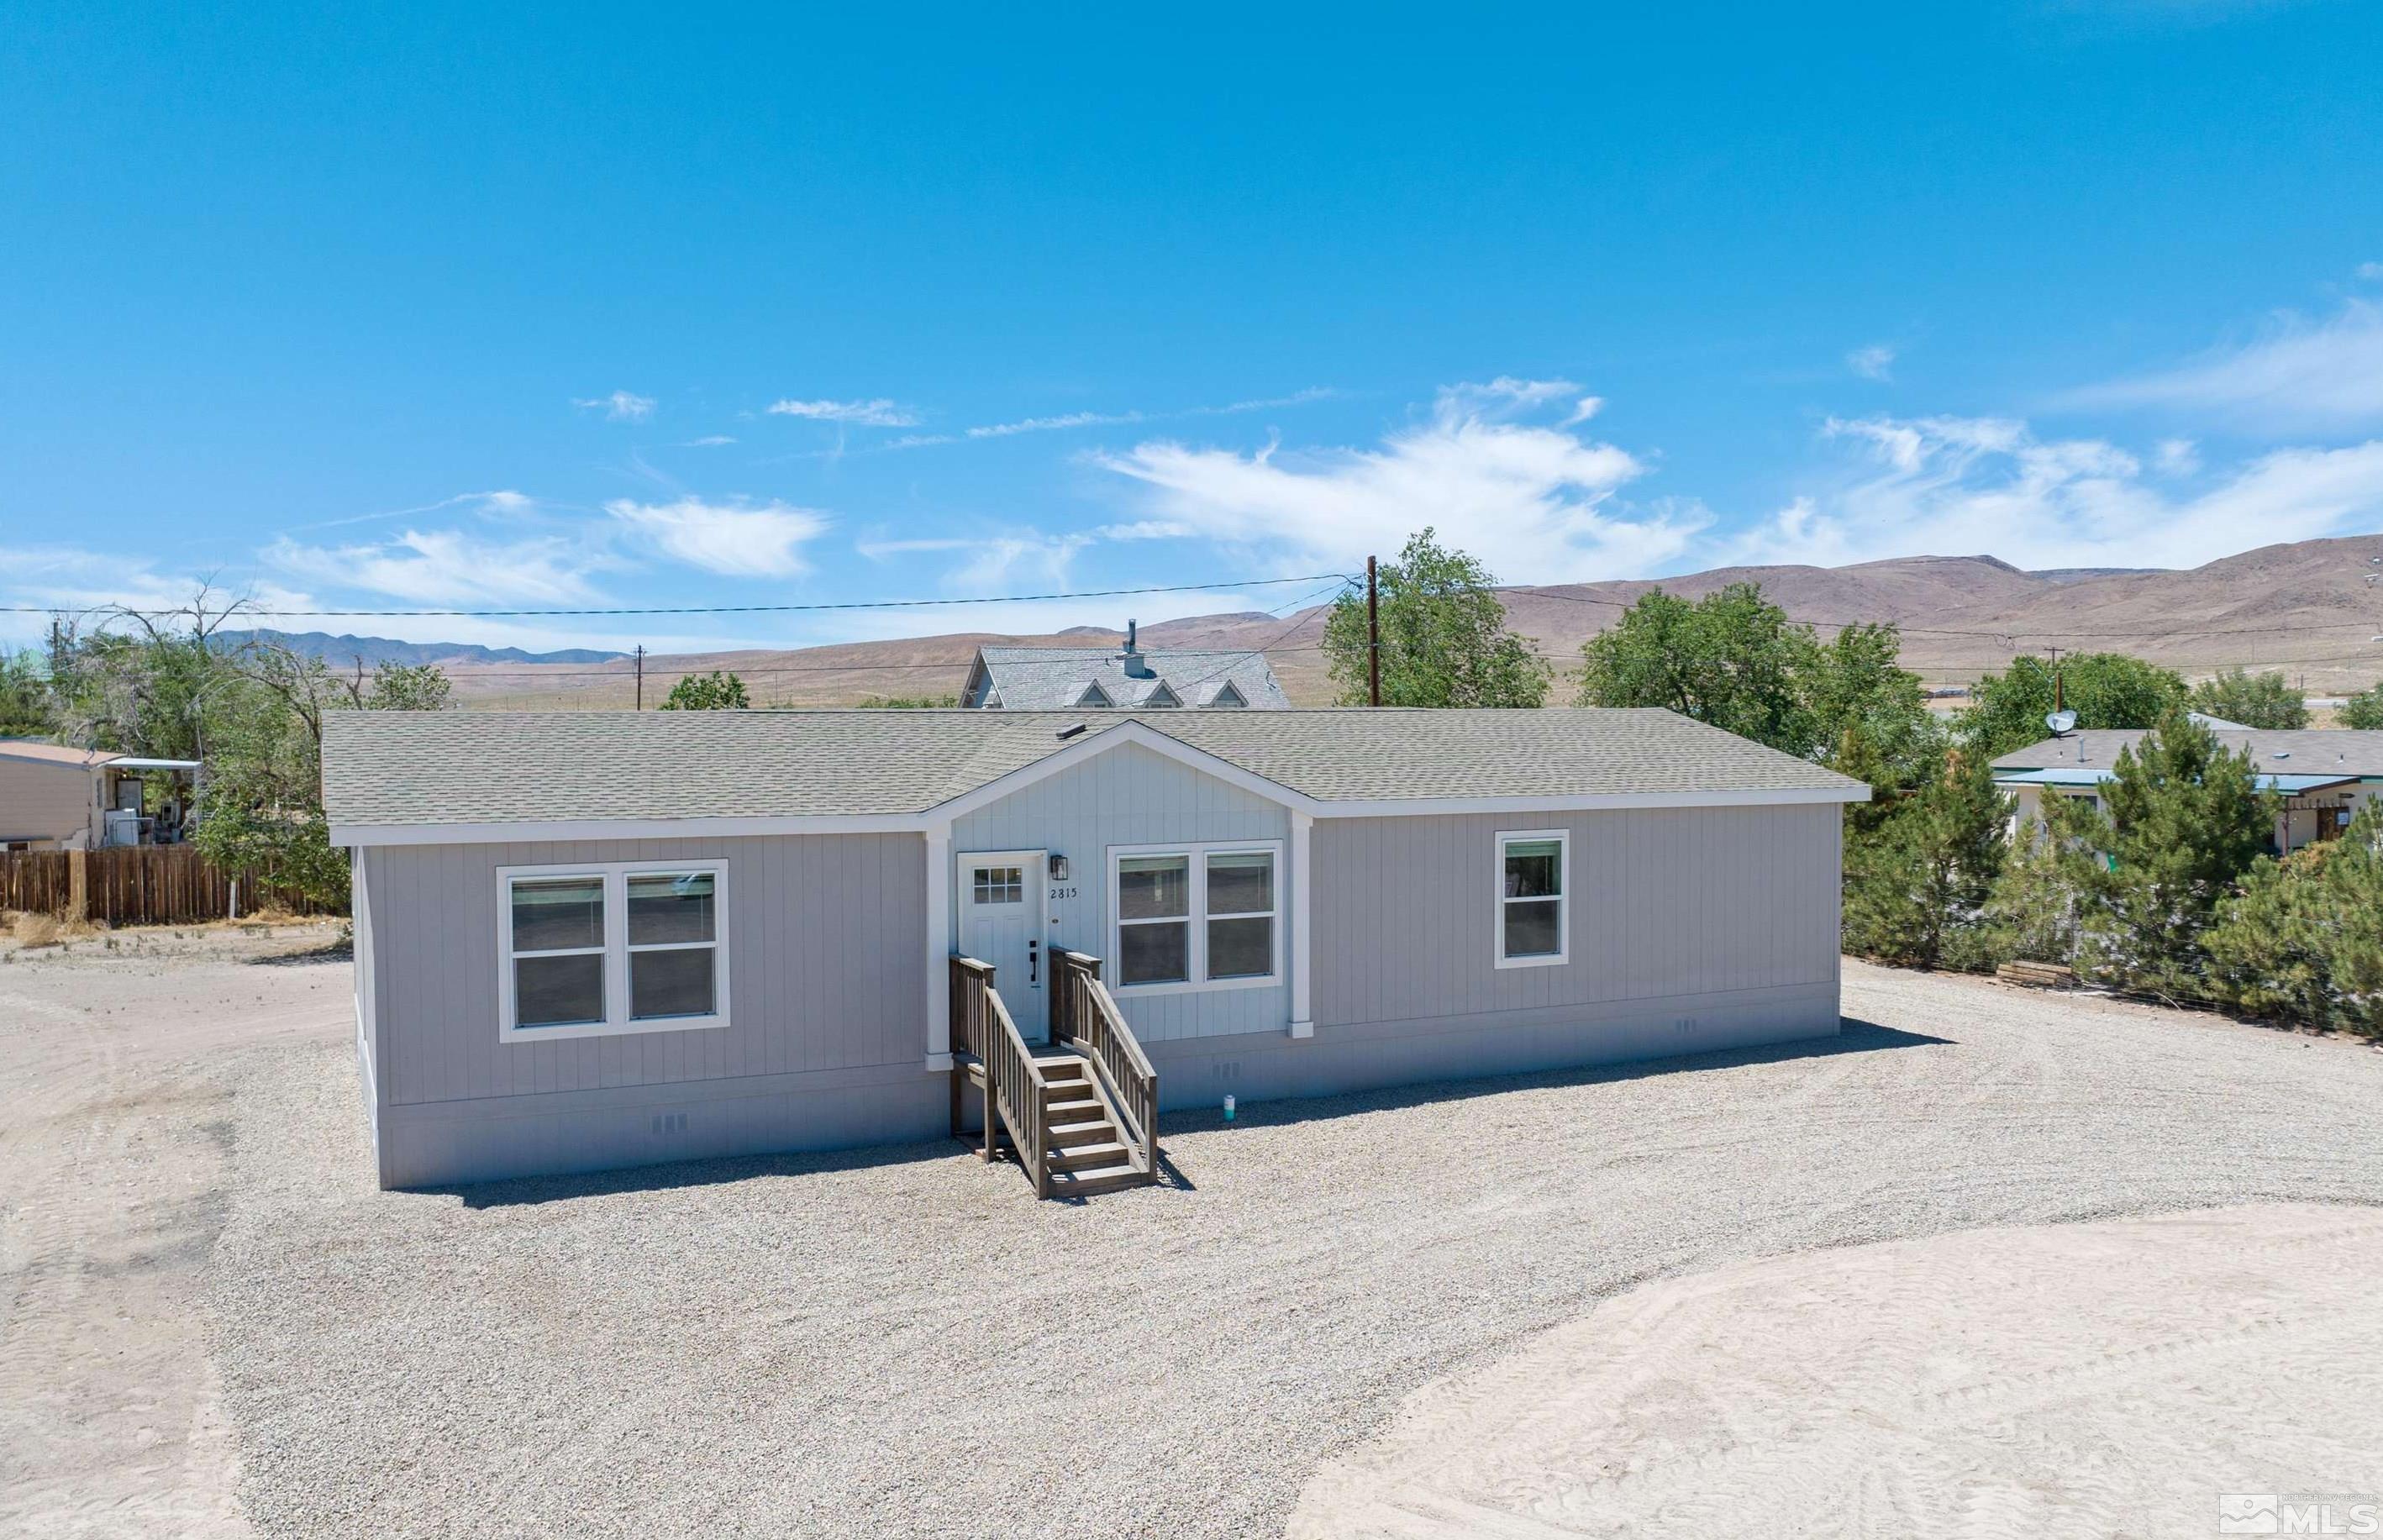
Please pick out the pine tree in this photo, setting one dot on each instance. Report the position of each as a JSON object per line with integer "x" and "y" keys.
{"x": 2181, "y": 822}
{"x": 1916, "y": 889}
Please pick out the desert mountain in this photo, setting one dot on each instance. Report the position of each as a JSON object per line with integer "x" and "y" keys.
{"x": 2304, "y": 607}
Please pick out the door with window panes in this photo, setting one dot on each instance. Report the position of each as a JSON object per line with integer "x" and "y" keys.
{"x": 1003, "y": 903}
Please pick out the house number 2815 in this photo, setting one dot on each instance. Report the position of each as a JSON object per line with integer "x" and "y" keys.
{"x": 1063, "y": 893}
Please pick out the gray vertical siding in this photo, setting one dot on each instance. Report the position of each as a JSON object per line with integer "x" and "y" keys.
{"x": 1664, "y": 903}
{"x": 826, "y": 1040}
{"x": 1130, "y": 795}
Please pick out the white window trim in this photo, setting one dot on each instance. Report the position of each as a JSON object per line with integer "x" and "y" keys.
{"x": 616, "y": 950}
{"x": 1562, "y": 954}
{"x": 1197, "y": 853}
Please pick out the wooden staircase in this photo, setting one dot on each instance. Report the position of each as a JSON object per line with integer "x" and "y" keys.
{"x": 1058, "y": 1110}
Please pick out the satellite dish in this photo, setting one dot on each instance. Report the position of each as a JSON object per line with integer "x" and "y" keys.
{"x": 2060, "y": 722}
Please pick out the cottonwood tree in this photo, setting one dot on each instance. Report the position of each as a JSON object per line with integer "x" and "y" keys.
{"x": 1734, "y": 659}
{"x": 1444, "y": 636}
{"x": 716, "y": 691}
{"x": 2264, "y": 700}
{"x": 2364, "y": 711}
{"x": 2106, "y": 689}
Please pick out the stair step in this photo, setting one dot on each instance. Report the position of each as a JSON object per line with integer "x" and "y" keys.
{"x": 1074, "y": 1109}
{"x": 1090, "y": 1157}
{"x": 1107, "y": 1178}
{"x": 1067, "y": 1136}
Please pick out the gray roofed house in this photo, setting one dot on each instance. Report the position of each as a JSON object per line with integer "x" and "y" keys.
{"x": 587, "y": 940}
{"x": 1132, "y": 678}
{"x": 2323, "y": 775}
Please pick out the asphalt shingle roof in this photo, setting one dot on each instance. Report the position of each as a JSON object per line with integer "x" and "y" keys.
{"x": 2309, "y": 751}
{"x": 382, "y": 769}
{"x": 1053, "y": 679}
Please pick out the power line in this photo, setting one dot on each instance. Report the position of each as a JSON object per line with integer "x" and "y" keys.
{"x": 703, "y": 608}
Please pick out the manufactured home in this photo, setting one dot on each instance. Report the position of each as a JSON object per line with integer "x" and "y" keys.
{"x": 589, "y": 940}
{"x": 2321, "y": 776}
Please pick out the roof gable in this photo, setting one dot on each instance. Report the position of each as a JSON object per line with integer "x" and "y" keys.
{"x": 1051, "y": 679}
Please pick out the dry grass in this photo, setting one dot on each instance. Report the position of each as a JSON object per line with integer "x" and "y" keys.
{"x": 33, "y": 930}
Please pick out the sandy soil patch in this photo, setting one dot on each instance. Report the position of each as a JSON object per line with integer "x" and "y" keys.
{"x": 113, "y": 1165}
{"x": 2083, "y": 1380}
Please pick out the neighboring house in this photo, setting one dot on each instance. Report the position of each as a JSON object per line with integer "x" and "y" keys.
{"x": 1082, "y": 679}
{"x": 53, "y": 797}
{"x": 591, "y": 939}
{"x": 2324, "y": 775}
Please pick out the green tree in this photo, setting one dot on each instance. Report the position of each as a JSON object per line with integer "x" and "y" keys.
{"x": 2032, "y": 912}
{"x": 716, "y": 691}
{"x": 2364, "y": 711}
{"x": 27, "y": 710}
{"x": 910, "y": 702}
{"x": 2253, "y": 700}
{"x": 1444, "y": 636}
{"x": 2302, "y": 940}
{"x": 2180, "y": 821}
{"x": 2106, "y": 689}
{"x": 1917, "y": 891}
{"x": 260, "y": 807}
{"x": 1734, "y": 659}
{"x": 407, "y": 687}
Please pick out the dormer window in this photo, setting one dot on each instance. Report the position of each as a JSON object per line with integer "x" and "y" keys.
{"x": 1095, "y": 696}
{"x": 1227, "y": 695}
{"x": 1163, "y": 696}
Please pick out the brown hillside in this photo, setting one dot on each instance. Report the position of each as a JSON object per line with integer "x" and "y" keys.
{"x": 2304, "y": 607}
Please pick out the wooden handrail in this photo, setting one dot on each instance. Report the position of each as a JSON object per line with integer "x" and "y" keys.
{"x": 1083, "y": 1011}
{"x": 1014, "y": 1084}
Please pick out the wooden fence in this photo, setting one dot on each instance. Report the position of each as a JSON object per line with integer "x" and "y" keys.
{"x": 148, "y": 884}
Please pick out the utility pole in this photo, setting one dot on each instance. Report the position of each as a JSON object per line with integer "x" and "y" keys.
{"x": 2055, "y": 674}
{"x": 1373, "y": 637}
{"x": 641, "y": 676}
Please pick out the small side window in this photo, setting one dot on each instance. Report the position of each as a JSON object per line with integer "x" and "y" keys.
{"x": 1532, "y": 897}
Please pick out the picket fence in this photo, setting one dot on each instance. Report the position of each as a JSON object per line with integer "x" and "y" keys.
{"x": 148, "y": 884}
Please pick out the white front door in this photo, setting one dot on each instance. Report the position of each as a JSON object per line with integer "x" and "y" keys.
{"x": 1001, "y": 909}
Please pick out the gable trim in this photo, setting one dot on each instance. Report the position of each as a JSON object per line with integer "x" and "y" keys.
{"x": 1109, "y": 738}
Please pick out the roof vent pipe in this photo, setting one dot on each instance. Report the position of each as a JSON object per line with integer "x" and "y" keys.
{"x": 1134, "y": 666}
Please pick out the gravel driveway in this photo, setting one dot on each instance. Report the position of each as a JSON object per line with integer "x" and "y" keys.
{"x": 904, "y": 1342}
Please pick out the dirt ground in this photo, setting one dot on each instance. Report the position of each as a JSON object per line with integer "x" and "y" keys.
{"x": 113, "y": 1170}
{"x": 2113, "y": 1378}
{"x": 214, "y": 1326}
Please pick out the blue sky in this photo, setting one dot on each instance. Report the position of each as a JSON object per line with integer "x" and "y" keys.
{"x": 438, "y": 308}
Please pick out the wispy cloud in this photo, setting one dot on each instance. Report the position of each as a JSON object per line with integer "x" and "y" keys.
{"x": 1960, "y": 485}
{"x": 880, "y": 412}
{"x": 708, "y": 441}
{"x": 1050, "y": 424}
{"x": 447, "y": 568}
{"x": 1534, "y": 501}
{"x": 2297, "y": 374}
{"x": 621, "y": 406}
{"x": 2371, "y": 271}
{"x": 498, "y": 504}
{"x": 1875, "y": 361}
{"x": 736, "y": 538}
{"x": 1127, "y": 418}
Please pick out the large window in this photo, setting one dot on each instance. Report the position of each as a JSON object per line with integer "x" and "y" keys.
{"x": 614, "y": 947}
{"x": 1533, "y": 897}
{"x": 1196, "y": 917}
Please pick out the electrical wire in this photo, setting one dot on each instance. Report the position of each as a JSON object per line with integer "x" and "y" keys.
{"x": 700, "y": 609}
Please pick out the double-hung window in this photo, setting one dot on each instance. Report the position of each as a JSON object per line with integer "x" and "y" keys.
{"x": 1534, "y": 882}
{"x": 634, "y": 946}
{"x": 1196, "y": 917}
